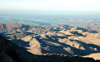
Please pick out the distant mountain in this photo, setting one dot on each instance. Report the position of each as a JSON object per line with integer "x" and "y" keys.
{"x": 9, "y": 27}
{"x": 62, "y": 39}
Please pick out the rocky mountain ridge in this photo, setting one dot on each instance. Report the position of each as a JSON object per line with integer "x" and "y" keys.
{"x": 62, "y": 39}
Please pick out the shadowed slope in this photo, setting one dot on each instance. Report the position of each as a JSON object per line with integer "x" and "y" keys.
{"x": 10, "y": 52}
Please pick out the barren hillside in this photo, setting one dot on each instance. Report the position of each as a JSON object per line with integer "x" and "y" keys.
{"x": 62, "y": 39}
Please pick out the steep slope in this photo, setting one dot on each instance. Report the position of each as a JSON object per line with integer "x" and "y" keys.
{"x": 10, "y": 52}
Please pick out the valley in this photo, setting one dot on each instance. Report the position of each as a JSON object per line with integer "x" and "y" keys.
{"x": 51, "y": 19}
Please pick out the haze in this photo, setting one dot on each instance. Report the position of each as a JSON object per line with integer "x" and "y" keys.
{"x": 50, "y": 6}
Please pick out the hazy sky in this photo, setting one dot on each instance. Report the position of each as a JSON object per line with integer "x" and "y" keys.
{"x": 84, "y": 5}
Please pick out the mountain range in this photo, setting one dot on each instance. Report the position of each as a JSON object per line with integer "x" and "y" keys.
{"x": 10, "y": 52}
{"x": 64, "y": 39}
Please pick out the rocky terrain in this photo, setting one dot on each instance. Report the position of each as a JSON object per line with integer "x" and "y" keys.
{"x": 10, "y": 52}
{"x": 62, "y": 39}
{"x": 97, "y": 28}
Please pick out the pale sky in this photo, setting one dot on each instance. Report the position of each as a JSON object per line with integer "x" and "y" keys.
{"x": 63, "y": 5}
